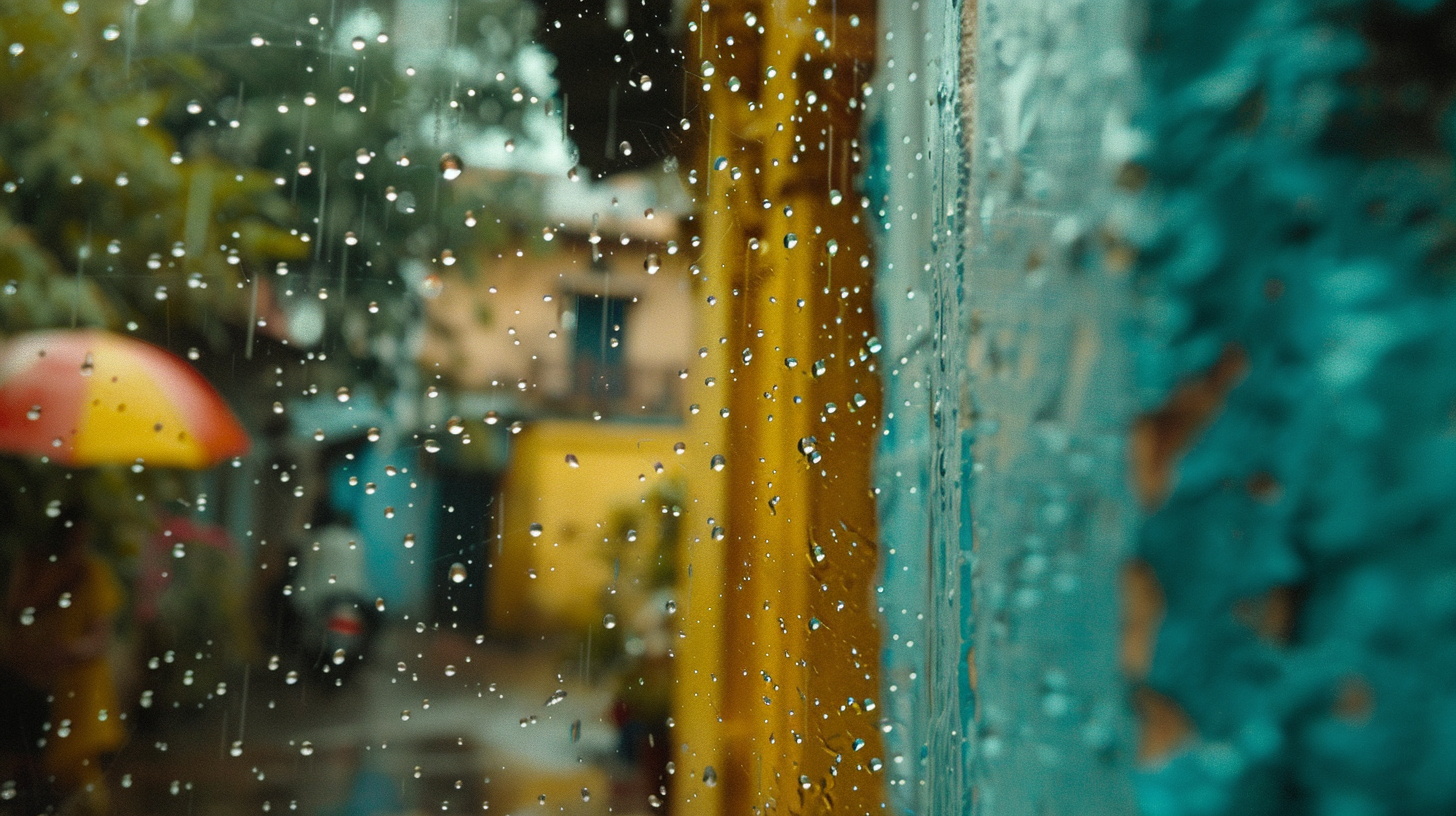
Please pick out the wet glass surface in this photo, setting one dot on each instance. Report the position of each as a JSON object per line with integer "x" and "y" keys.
{"x": 442, "y": 406}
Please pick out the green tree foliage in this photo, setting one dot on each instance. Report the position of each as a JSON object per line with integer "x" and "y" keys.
{"x": 191, "y": 173}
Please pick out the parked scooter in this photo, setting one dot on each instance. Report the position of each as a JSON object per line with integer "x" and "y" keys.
{"x": 336, "y": 620}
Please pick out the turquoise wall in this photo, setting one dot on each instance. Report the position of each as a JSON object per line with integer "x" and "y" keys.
{"x": 1297, "y": 212}
{"x": 1225, "y": 227}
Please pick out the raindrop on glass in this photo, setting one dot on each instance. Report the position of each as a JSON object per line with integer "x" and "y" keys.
{"x": 451, "y": 167}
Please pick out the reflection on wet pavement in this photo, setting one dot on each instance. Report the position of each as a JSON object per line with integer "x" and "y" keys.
{"x": 433, "y": 723}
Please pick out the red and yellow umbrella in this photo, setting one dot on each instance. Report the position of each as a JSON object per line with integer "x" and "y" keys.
{"x": 91, "y": 397}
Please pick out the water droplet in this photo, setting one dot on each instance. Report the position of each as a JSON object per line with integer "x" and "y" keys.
{"x": 451, "y": 167}
{"x": 432, "y": 446}
{"x": 358, "y": 43}
{"x": 457, "y": 573}
{"x": 718, "y": 462}
{"x": 409, "y": 540}
{"x": 707, "y": 69}
{"x": 237, "y": 748}
{"x": 339, "y": 657}
{"x": 710, "y": 776}
{"x": 819, "y": 368}
{"x": 645, "y": 82}
{"x": 535, "y": 529}
{"x": 342, "y": 394}
{"x": 306, "y": 748}
{"x": 720, "y": 163}
{"x": 111, "y": 33}
{"x": 652, "y": 264}
{"x": 33, "y": 414}
{"x": 609, "y": 621}
{"x": 346, "y": 94}
{"x": 625, "y": 148}
{"x": 791, "y": 240}
{"x": 571, "y": 460}
{"x": 556, "y": 697}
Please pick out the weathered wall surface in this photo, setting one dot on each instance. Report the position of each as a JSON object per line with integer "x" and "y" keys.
{"x": 1291, "y": 215}
{"x": 1188, "y": 432}
{"x": 1039, "y": 379}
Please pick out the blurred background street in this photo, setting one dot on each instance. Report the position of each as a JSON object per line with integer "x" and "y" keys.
{"x": 435, "y": 724}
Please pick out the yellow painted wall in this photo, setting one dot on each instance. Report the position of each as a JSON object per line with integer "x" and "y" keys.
{"x": 557, "y": 581}
{"x": 777, "y": 672}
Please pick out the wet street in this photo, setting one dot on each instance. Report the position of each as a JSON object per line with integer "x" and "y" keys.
{"x": 432, "y": 723}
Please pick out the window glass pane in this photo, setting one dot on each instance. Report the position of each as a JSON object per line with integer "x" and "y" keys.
{"x": 464, "y": 406}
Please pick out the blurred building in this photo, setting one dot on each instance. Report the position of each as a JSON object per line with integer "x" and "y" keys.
{"x": 569, "y": 355}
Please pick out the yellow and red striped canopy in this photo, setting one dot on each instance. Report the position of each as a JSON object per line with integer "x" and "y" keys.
{"x": 91, "y": 397}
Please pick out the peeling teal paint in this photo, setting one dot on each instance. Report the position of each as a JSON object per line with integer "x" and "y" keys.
{"x": 1150, "y": 188}
{"x": 1298, "y": 209}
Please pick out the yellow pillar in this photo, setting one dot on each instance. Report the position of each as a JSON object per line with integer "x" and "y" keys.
{"x": 777, "y": 666}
